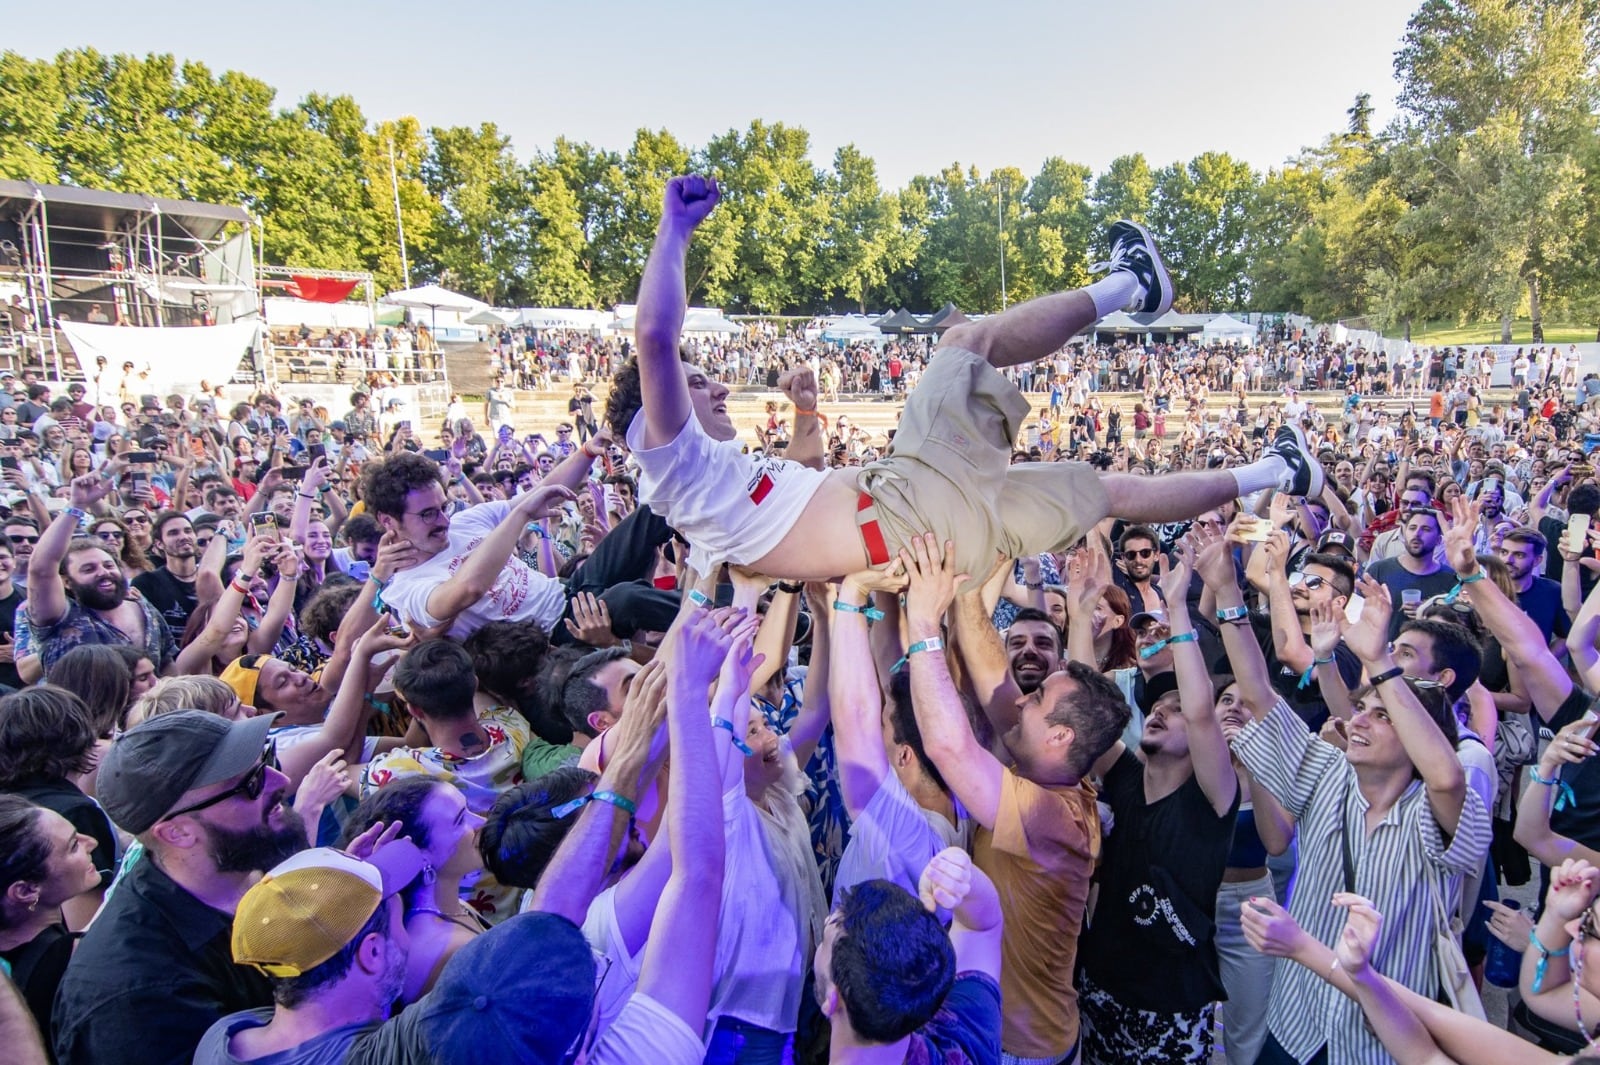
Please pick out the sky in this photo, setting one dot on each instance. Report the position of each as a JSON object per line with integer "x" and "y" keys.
{"x": 916, "y": 86}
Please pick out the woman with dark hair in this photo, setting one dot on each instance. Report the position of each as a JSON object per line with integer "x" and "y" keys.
{"x": 45, "y": 863}
{"x": 142, "y": 673}
{"x": 98, "y": 675}
{"x": 437, "y": 820}
{"x": 47, "y": 737}
{"x": 522, "y": 833}
{"x": 119, "y": 540}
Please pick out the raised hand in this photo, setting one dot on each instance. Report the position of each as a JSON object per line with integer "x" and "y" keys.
{"x": 1361, "y": 927}
{"x": 543, "y": 502}
{"x": 889, "y": 577}
{"x": 800, "y": 386}
{"x": 689, "y": 200}
{"x": 93, "y": 487}
{"x": 702, "y": 642}
{"x": 395, "y": 553}
{"x": 741, "y": 663}
{"x": 931, "y": 567}
{"x": 1088, "y": 577}
{"x": 1572, "y": 744}
{"x": 325, "y": 781}
{"x": 1325, "y": 619}
{"x": 1174, "y": 582}
{"x": 1269, "y": 928}
{"x": 1572, "y": 889}
{"x": 1369, "y": 637}
{"x": 945, "y": 880}
{"x": 591, "y": 621}
{"x": 643, "y": 711}
{"x": 1458, "y": 538}
{"x": 1213, "y": 560}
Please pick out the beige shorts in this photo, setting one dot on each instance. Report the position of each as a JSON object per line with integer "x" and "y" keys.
{"x": 949, "y": 472}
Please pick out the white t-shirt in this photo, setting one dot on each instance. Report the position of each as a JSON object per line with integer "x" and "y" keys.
{"x": 894, "y": 839}
{"x": 648, "y": 1031}
{"x": 518, "y": 594}
{"x": 730, "y": 506}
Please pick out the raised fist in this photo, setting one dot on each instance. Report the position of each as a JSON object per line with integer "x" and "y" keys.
{"x": 689, "y": 200}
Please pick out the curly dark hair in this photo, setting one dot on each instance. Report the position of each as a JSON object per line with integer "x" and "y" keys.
{"x": 384, "y": 485}
{"x": 627, "y": 396}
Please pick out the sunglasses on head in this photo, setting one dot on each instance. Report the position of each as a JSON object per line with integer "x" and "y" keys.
{"x": 1138, "y": 552}
{"x": 251, "y": 786}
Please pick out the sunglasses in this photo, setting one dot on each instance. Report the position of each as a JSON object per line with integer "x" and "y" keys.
{"x": 254, "y": 782}
{"x": 135, "y": 519}
{"x": 1311, "y": 581}
{"x": 1138, "y": 552}
{"x": 24, "y": 539}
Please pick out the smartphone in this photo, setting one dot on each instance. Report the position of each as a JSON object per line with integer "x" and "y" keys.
{"x": 140, "y": 456}
{"x": 9, "y": 462}
{"x": 437, "y": 454}
{"x": 291, "y": 473}
{"x": 264, "y": 524}
{"x": 317, "y": 451}
{"x": 197, "y": 447}
{"x": 141, "y": 483}
{"x": 1353, "y": 607}
{"x": 1257, "y": 532}
{"x": 1578, "y": 533}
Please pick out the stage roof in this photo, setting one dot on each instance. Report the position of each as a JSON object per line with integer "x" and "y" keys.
{"x": 96, "y": 209}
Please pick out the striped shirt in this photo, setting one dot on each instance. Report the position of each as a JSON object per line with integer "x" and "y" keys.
{"x": 1393, "y": 865}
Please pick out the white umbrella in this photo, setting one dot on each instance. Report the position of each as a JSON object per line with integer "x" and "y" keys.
{"x": 433, "y": 297}
{"x": 492, "y": 316}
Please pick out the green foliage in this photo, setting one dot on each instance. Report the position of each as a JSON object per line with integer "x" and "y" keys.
{"x": 1481, "y": 202}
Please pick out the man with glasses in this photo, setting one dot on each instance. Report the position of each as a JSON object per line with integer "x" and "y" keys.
{"x": 155, "y": 970}
{"x": 1137, "y": 553}
{"x": 23, "y": 535}
{"x": 463, "y": 572}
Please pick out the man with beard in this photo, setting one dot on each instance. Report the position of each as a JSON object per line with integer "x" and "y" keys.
{"x": 1523, "y": 552}
{"x": 155, "y": 970}
{"x": 328, "y": 930}
{"x": 170, "y": 587}
{"x": 77, "y": 593}
{"x": 1417, "y": 569}
{"x": 1033, "y": 649}
{"x": 1139, "y": 550}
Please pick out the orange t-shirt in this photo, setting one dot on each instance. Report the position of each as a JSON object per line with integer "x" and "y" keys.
{"x": 1040, "y": 855}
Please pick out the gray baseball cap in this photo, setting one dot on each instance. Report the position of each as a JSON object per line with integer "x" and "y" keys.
{"x": 155, "y": 763}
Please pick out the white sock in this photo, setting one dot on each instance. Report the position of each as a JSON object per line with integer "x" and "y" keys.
{"x": 1264, "y": 472}
{"x": 1114, "y": 292}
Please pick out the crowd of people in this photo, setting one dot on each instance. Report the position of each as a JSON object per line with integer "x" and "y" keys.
{"x": 1001, "y": 738}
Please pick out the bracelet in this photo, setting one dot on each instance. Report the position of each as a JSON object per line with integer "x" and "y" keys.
{"x": 1033, "y": 586}
{"x": 791, "y": 587}
{"x": 78, "y": 513}
{"x": 1565, "y": 796}
{"x": 1233, "y": 614}
{"x": 306, "y": 495}
{"x": 1545, "y": 954}
{"x": 242, "y": 589}
{"x": 724, "y": 723}
{"x": 1473, "y": 578}
{"x": 1156, "y": 648}
{"x": 1386, "y": 676}
{"x": 377, "y": 598}
{"x": 699, "y": 598}
{"x": 1305, "y": 678}
{"x": 1335, "y": 966}
{"x": 870, "y": 613}
{"x": 932, "y": 643}
{"x": 1321, "y": 661}
{"x": 621, "y": 802}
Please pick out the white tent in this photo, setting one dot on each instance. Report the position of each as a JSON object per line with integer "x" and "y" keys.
{"x": 710, "y": 322}
{"x": 561, "y": 318}
{"x": 853, "y": 328}
{"x": 433, "y": 299}
{"x": 1228, "y": 330}
{"x": 493, "y": 316}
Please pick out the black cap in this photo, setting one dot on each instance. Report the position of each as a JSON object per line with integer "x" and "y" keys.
{"x": 1334, "y": 538}
{"x": 1154, "y": 688}
{"x": 156, "y": 762}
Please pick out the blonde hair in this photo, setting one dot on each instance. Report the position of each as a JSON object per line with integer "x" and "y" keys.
{"x": 183, "y": 693}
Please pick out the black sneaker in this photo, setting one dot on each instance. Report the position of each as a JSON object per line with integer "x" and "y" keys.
{"x": 1133, "y": 249}
{"x": 1304, "y": 476}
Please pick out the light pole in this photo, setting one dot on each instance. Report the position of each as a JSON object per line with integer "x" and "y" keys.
{"x": 1001, "y": 205}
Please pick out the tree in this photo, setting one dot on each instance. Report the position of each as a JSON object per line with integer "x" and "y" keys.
{"x": 1123, "y": 191}
{"x": 1200, "y": 212}
{"x": 858, "y": 226}
{"x": 1499, "y": 104}
{"x": 482, "y": 237}
{"x": 1055, "y": 227}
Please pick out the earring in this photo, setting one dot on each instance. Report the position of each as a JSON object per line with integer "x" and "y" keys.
{"x": 428, "y": 875}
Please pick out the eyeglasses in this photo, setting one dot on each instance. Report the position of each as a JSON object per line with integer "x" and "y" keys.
{"x": 254, "y": 782}
{"x": 1311, "y": 581}
{"x": 1138, "y": 552}
{"x": 135, "y": 519}
{"x": 431, "y": 515}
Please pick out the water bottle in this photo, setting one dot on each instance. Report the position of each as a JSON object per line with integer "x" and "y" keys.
{"x": 1503, "y": 964}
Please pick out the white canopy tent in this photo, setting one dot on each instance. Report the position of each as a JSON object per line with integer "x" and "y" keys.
{"x": 561, "y": 318}
{"x": 695, "y": 323}
{"x": 492, "y": 316}
{"x": 852, "y": 329}
{"x": 1226, "y": 329}
{"x": 433, "y": 299}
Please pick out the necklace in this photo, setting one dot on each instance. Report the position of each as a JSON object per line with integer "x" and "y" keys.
{"x": 470, "y": 922}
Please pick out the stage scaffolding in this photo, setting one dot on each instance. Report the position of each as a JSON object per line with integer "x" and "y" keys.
{"x": 87, "y": 255}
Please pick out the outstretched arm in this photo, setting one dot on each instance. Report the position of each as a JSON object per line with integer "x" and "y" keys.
{"x": 1208, "y": 749}
{"x": 663, "y": 298}
{"x": 857, "y": 701}
{"x": 974, "y": 775}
